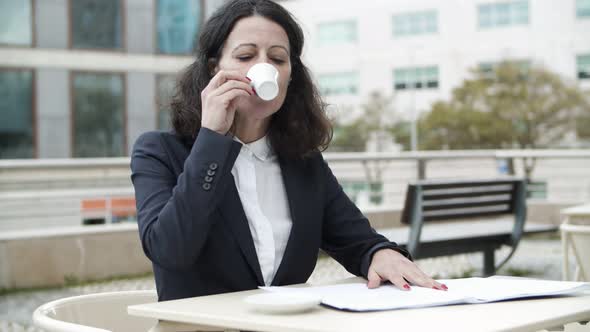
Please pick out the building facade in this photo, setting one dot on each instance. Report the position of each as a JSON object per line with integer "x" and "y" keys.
{"x": 418, "y": 51}
{"x": 84, "y": 78}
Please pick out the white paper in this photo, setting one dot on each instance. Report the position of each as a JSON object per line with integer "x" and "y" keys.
{"x": 357, "y": 297}
{"x": 496, "y": 289}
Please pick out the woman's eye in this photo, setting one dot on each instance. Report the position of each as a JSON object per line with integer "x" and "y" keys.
{"x": 244, "y": 58}
{"x": 279, "y": 61}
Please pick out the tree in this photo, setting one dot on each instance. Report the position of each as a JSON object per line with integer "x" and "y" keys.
{"x": 583, "y": 124}
{"x": 402, "y": 132}
{"x": 375, "y": 121}
{"x": 376, "y": 117}
{"x": 509, "y": 107}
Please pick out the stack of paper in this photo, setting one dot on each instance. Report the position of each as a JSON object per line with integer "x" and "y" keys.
{"x": 357, "y": 297}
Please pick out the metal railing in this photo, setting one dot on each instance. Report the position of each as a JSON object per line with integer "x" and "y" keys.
{"x": 38, "y": 193}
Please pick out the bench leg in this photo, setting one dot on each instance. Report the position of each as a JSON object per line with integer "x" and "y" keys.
{"x": 489, "y": 267}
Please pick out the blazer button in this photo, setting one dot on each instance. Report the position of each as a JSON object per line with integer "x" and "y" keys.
{"x": 208, "y": 179}
{"x": 213, "y": 166}
{"x": 210, "y": 172}
{"x": 206, "y": 186}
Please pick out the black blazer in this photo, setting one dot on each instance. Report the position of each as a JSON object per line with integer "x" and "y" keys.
{"x": 194, "y": 230}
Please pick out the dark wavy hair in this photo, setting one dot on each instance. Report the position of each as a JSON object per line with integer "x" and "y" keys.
{"x": 300, "y": 127}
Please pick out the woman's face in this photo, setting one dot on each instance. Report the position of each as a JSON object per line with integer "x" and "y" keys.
{"x": 253, "y": 40}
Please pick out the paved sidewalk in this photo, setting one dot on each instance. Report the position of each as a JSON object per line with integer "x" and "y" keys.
{"x": 536, "y": 257}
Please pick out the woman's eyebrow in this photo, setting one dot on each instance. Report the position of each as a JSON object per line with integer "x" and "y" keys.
{"x": 242, "y": 45}
{"x": 280, "y": 46}
{"x": 255, "y": 46}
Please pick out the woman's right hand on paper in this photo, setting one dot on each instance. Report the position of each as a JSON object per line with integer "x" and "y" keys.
{"x": 218, "y": 100}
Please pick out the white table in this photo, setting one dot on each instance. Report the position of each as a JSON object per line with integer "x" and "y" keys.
{"x": 228, "y": 311}
{"x": 577, "y": 215}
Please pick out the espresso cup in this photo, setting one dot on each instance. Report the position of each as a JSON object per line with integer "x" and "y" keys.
{"x": 264, "y": 78}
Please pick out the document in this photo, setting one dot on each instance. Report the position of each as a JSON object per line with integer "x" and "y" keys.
{"x": 357, "y": 297}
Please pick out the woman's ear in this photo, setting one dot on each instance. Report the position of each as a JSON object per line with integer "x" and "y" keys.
{"x": 212, "y": 66}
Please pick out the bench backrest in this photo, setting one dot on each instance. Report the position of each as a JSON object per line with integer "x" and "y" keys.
{"x": 446, "y": 200}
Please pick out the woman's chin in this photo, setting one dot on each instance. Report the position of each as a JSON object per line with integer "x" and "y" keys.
{"x": 260, "y": 109}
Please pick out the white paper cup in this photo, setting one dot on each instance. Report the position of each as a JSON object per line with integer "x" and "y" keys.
{"x": 264, "y": 78}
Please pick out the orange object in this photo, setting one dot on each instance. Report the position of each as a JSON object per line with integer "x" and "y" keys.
{"x": 121, "y": 207}
{"x": 94, "y": 204}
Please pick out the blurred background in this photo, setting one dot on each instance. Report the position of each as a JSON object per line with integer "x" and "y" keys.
{"x": 416, "y": 89}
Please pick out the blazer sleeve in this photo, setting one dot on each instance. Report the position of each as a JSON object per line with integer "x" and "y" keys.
{"x": 173, "y": 212}
{"x": 347, "y": 235}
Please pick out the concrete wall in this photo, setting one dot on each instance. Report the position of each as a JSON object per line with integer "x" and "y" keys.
{"x": 212, "y": 5}
{"x": 140, "y": 26}
{"x": 51, "y": 23}
{"x": 49, "y": 257}
{"x": 53, "y": 113}
{"x": 141, "y": 105}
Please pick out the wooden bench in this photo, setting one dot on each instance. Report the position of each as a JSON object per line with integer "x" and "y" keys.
{"x": 460, "y": 216}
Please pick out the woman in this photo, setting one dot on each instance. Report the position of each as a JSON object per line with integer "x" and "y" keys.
{"x": 238, "y": 195}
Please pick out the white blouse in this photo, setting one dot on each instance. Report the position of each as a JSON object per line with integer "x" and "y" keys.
{"x": 258, "y": 178}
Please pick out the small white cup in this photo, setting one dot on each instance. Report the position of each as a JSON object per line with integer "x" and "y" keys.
{"x": 264, "y": 78}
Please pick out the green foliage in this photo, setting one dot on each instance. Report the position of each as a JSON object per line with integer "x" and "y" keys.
{"x": 376, "y": 116}
{"x": 402, "y": 132}
{"x": 583, "y": 126}
{"x": 349, "y": 137}
{"x": 519, "y": 272}
{"x": 73, "y": 281}
{"x": 509, "y": 107}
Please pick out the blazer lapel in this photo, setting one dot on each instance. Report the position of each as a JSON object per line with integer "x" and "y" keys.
{"x": 234, "y": 215}
{"x": 297, "y": 191}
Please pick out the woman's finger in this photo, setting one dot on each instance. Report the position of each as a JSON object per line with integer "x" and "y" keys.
{"x": 398, "y": 280}
{"x": 419, "y": 278}
{"x": 230, "y": 85}
{"x": 224, "y": 75}
{"x": 373, "y": 278}
{"x": 229, "y": 96}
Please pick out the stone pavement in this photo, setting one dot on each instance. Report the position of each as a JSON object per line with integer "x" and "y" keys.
{"x": 538, "y": 257}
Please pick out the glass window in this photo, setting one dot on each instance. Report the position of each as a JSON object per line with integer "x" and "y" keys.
{"x": 583, "y": 62}
{"x": 520, "y": 12}
{"x": 339, "y": 84}
{"x": 418, "y": 23}
{"x": 485, "y": 16}
{"x": 16, "y": 114}
{"x": 16, "y": 22}
{"x": 337, "y": 32}
{"x": 431, "y": 77}
{"x": 415, "y": 78}
{"x": 178, "y": 22}
{"x": 583, "y": 8}
{"x": 487, "y": 68}
{"x": 165, "y": 86}
{"x": 503, "y": 14}
{"x": 96, "y": 24}
{"x": 99, "y": 115}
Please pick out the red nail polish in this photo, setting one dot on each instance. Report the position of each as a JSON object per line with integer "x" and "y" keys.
{"x": 406, "y": 286}
{"x": 255, "y": 91}
{"x": 435, "y": 287}
{"x": 248, "y": 78}
{"x": 445, "y": 287}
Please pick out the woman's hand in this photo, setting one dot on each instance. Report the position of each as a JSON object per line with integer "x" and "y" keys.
{"x": 218, "y": 100}
{"x": 390, "y": 265}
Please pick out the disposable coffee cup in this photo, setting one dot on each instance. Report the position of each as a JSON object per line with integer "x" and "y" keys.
{"x": 264, "y": 78}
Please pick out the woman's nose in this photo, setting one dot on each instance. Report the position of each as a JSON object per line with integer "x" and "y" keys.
{"x": 264, "y": 59}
